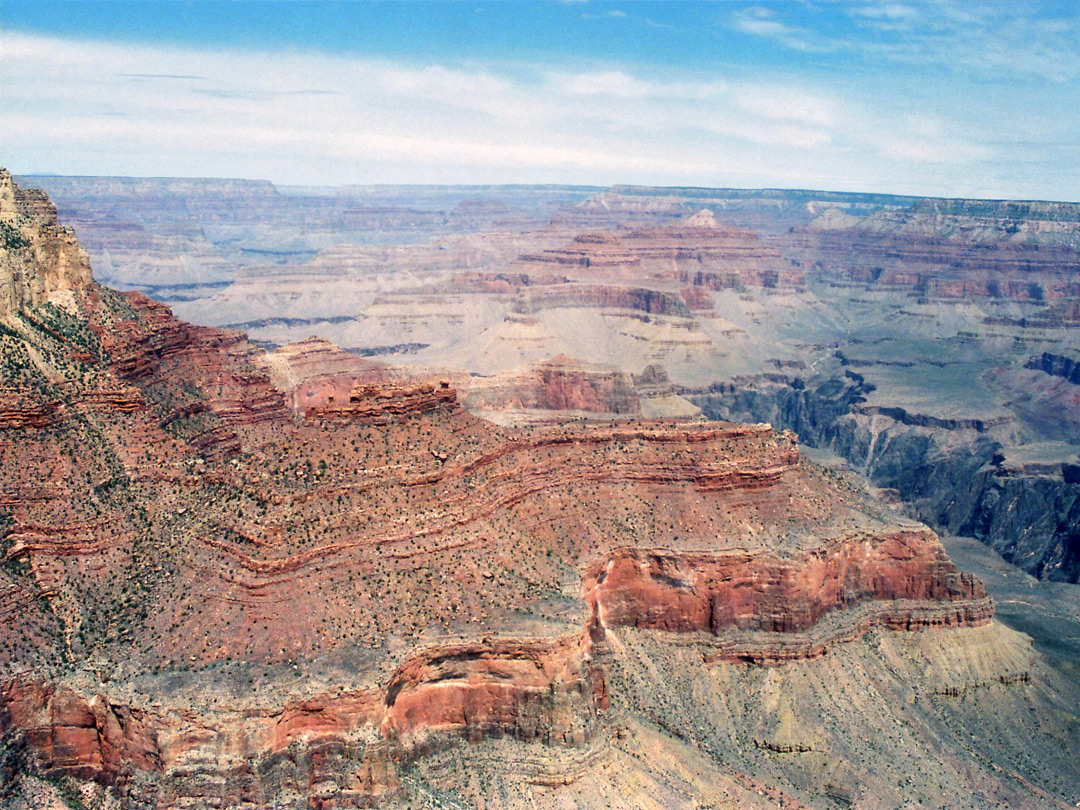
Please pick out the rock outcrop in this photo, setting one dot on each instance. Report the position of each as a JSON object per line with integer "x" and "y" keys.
{"x": 532, "y": 690}
{"x": 380, "y": 402}
{"x": 1059, "y": 365}
{"x": 601, "y": 297}
{"x": 559, "y": 384}
{"x": 315, "y": 372}
{"x": 40, "y": 257}
{"x": 685, "y": 592}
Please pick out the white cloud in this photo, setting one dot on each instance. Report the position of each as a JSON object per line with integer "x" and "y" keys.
{"x": 988, "y": 38}
{"x": 439, "y": 82}
{"x": 786, "y": 104}
{"x": 889, "y": 11}
{"x": 763, "y": 22}
{"x": 614, "y": 14}
{"x": 604, "y": 83}
{"x": 97, "y": 108}
{"x": 616, "y": 83}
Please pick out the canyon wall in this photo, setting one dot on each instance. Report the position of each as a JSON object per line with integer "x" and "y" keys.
{"x": 953, "y": 472}
{"x": 237, "y": 579}
{"x": 40, "y": 257}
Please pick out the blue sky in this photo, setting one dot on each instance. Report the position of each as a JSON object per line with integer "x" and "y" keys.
{"x": 943, "y": 98}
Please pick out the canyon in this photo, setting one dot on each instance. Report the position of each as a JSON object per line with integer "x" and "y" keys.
{"x": 927, "y": 342}
{"x": 267, "y": 571}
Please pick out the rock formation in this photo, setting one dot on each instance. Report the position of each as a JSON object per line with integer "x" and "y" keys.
{"x": 697, "y": 250}
{"x": 1068, "y": 368}
{"x": 40, "y": 257}
{"x": 218, "y": 591}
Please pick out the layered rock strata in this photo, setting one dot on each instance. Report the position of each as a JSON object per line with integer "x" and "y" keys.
{"x": 227, "y": 604}
{"x": 560, "y": 384}
{"x": 344, "y": 747}
{"x": 371, "y": 402}
{"x": 685, "y": 592}
{"x": 697, "y": 250}
{"x": 39, "y": 256}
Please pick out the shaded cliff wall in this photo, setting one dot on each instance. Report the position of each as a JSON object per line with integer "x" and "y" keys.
{"x": 952, "y": 474}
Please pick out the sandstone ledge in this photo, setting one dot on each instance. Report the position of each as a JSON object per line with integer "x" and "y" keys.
{"x": 375, "y": 402}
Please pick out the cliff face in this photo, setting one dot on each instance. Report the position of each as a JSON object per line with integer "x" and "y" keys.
{"x": 386, "y": 401}
{"x": 560, "y": 384}
{"x": 211, "y": 599}
{"x": 969, "y": 222}
{"x": 315, "y": 373}
{"x": 688, "y": 592}
{"x": 956, "y": 472}
{"x": 39, "y": 257}
{"x": 956, "y": 250}
{"x": 696, "y": 249}
{"x": 346, "y": 748}
{"x": 1059, "y": 365}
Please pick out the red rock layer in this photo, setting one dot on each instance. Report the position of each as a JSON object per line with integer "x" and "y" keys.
{"x": 67, "y": 733}
{"x": 19, "y": 413}
{"x": 546, "y": 690}
{"x": 375, "y": 402}
{"x": 315, "y": 373}
{"x": 684, "y": 591}
{"x": 70, "y": 735}
{"x": 189, "y": 371}
{"x": 16, "y": 413}
{"x": 549, "y": 690}
{"x": 557, "y": 384}
{"x": 532, "y": 690}
{"x": 698, "y": 251}
{"x": 901, "y": 615}
{"x": 696, "y": 247}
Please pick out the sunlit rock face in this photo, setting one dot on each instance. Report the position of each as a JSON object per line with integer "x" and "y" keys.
{"x": 40, "y": 257}
{"x": 242, "y": 579}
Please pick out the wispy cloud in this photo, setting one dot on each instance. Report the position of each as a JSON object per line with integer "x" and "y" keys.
{"x": 166, "y": 76}
{"x": 619, "y": 84}
{"x": 985, "y": 39}
{"x": 765, "y": 22}
{"x": 614, "y": 14}
{"x": 293, "y": 117}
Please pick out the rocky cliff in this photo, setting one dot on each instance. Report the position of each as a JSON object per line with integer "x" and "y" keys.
{"x": 714, "y": 592}
{"x": 387, "y": 601}
{"x": 559, "y": 384}
{"x": 1059, "y": 365}
{"x": 696, "y": 249}
{"x": 40, "y": 257}
{"x": 956, "y": 472}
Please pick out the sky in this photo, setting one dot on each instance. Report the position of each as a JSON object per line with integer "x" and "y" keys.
{"x": 972, "y": 98}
